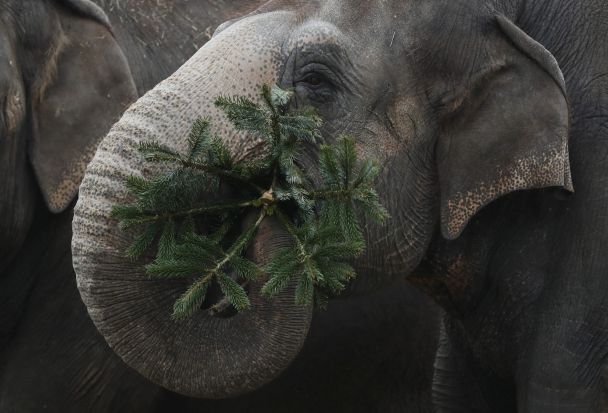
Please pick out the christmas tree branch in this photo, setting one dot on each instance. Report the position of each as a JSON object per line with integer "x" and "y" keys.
{"x": 323, "y": 221}
{"x": 224, "y": 303}
{"x": 292, "y": 231}
{"x": 220, "y": 206}
{"x": 304, "y": 254}
{"x": 222, "y": 173}
{"x": 191, "y": 300}
{"x": 332, "y": 194}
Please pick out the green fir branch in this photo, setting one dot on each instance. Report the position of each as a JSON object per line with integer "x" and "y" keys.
{"x": 183, "y": 305}
{"x": 207, "y": 241}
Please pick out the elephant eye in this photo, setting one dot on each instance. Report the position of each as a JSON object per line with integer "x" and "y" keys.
{"x": 315, "y": 76}
{"x": 314, "y": 79}
{"x": 316, "y": 84}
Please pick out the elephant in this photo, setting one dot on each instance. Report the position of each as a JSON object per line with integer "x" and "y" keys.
{"x": 487, "y": 117}
{"x": 62, "y": 86}
{"x": 64, "y": 80}
{"x": 51, "y": 119}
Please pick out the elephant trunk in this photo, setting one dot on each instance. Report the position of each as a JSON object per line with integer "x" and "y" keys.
{"x": 207, "y": 355}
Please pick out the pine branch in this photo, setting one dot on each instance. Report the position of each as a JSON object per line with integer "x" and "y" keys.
{"x": 227, "y": 174}
{"x": 129, "y": 220}
{"x": 202, "y": 240}
{"x": 235, "y": 294}
{"x": 198, "y": 138}
{"x": 304, "y": 291}
{"x": 155, "y": 152}
{"x": 183, "y": 306}
{"x": 189, "y": 302}
{"x": 245, "y": 115}
{"x": 142, "y": 242}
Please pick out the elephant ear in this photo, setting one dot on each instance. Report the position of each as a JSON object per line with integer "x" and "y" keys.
{"x": 85, "y": 86}
{"x": 509, "y": 132}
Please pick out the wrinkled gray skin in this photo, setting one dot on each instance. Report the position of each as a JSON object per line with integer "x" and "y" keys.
{"x": 471, "y": 107}
{"x": 51, "y": 356}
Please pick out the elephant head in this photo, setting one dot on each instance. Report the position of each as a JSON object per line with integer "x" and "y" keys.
{"x": 63, "y": 82}
{"x": 457, "y": 104}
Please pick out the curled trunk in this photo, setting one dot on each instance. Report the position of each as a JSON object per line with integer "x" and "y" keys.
{"x": 206, "y": 355}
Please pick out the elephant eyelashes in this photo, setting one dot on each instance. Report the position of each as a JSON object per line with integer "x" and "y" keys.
{"x": 313, "y": 80}
{"x": 316, "y": 76}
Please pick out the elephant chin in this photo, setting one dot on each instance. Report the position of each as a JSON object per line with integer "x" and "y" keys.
{"x": 206, "y": 355}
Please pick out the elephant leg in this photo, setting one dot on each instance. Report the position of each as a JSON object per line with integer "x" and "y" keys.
{"x": 565, "y": 370}
{"x": 454, "y": 387}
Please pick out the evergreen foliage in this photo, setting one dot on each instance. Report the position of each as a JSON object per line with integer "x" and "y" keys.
{"x": 206, "y": 241}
